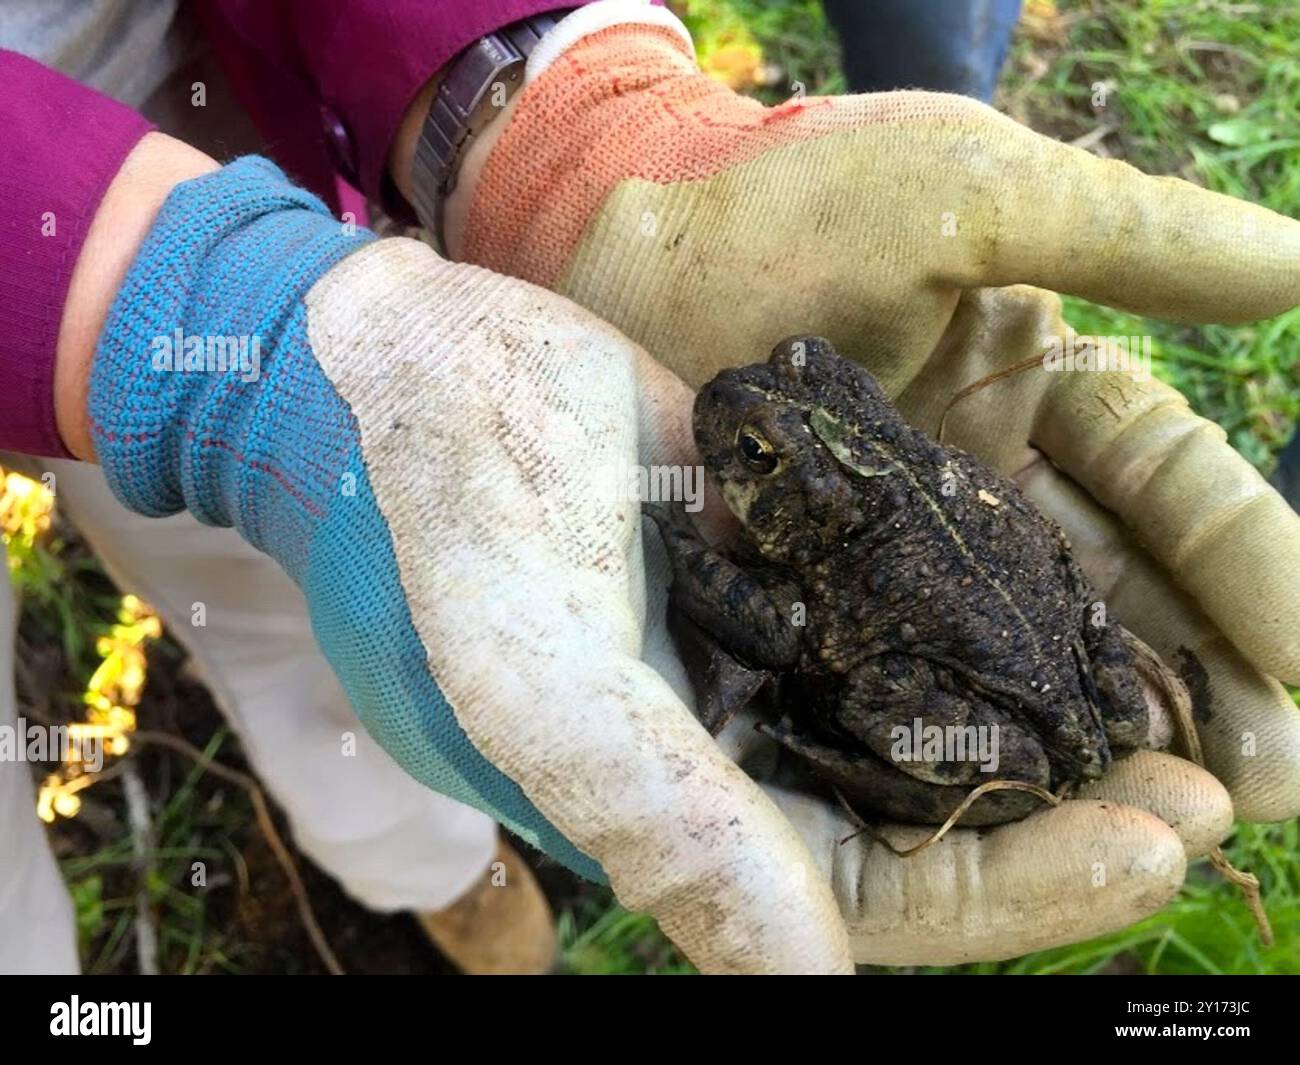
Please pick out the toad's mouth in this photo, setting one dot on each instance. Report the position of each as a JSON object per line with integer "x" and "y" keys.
{"x": 739, "y": 497}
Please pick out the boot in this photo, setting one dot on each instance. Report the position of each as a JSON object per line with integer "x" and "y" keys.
{"x": 501, "y": 926}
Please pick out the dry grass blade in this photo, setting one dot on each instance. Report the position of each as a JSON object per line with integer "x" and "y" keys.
{"x": 984, "y": 382}
{"x": 1181, "y": 703}
{"x": 954, "y": 817}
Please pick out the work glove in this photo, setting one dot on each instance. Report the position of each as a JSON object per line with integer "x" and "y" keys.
{"x": 911, "y": 229}
{"x": 430, "y": 451}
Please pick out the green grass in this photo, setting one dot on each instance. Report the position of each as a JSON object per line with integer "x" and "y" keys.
{"x": 600, "y": 938}
{"x": 794, "y": 37}
{"x": 187, "y": 830}
{"x": 67, "y": 601}
{"x": 1213, "y": 97}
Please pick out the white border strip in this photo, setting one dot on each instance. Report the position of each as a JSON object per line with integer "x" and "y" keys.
{"x": 593, "y": 18}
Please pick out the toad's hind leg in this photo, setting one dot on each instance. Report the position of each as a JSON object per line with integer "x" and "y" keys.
{"x": 1108, "y": 669}
{"x": 916, "y": 717}
{"x": 1125, "y": 717}
{"x": 874, "y": 786}
{"x": 723, "y": 686}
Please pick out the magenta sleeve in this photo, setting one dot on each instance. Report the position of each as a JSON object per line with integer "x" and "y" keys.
{"x": 62, "y": 144}
{"x": 327, "y": 84}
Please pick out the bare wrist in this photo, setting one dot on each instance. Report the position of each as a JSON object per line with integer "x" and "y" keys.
{"x": 125, "y": 215}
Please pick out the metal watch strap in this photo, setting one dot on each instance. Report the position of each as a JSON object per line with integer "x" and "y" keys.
{"x": 474, "y": 88}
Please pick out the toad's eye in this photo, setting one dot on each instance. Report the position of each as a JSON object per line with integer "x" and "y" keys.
{"x": 758, "y": 454}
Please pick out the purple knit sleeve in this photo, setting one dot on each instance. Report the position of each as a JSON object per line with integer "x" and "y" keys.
{"x": 60, "y": 148}
{"x": 334, "y": 80}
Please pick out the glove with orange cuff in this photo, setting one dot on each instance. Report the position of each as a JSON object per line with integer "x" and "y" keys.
{"x": 925, "y": 235}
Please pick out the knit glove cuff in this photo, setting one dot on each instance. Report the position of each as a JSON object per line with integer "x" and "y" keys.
{"x": 202, "y": 369}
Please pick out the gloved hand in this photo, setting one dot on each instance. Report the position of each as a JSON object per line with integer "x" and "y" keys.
{"x": 707, "y": 227}
{"x": 427, "y": 449}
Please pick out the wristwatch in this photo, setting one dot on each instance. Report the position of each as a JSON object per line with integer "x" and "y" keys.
{"x": 476, "y": 86}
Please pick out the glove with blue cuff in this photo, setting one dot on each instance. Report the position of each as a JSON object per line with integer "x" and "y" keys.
{"x": 426, "y": 449}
